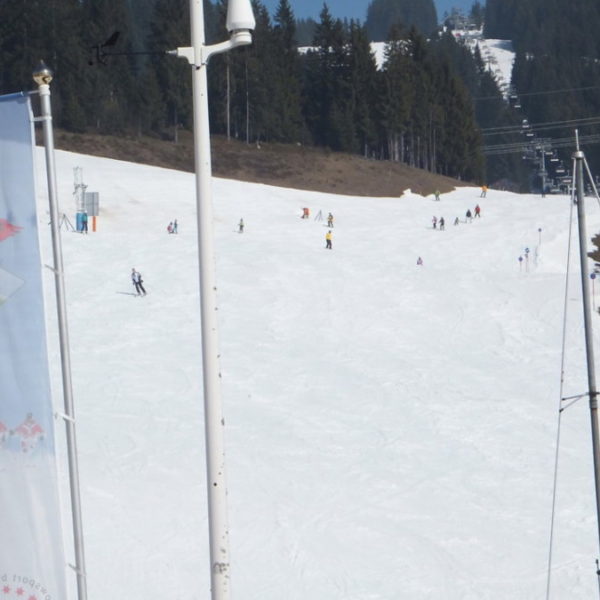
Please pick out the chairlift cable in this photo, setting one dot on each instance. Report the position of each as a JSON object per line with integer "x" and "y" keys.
{"x": 540, "y": 126}
{"x": 543, "y": 93}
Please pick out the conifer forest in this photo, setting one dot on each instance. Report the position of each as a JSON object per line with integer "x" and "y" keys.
{"x": 433, "y": 104}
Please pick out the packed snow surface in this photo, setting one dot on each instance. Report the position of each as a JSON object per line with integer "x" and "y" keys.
{"x": 390, "y": 428}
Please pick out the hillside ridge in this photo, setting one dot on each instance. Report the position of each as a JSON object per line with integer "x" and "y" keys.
{"x": 284, "y": 165}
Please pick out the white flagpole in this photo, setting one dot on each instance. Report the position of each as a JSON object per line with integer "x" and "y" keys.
{"x": 43, "y": 76}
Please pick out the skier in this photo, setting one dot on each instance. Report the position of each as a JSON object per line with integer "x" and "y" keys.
{"x": 420, "y": 261}
{"x": 456, "y": 221}
{"x": 329, "y": 220}
{"x": 305, "y": 213}
{"x": 137, "y": 281}
{"x": 434, "y": 221}
{"x": 469, "y": 215}
{"x": 442, "y": 223}
{"x": 483, "y": 191}
{"x": 478, "y": 211}
{"x": 241, "y": 226}
{"x": 328, "y": 238}
{"x": 170, "y": 227}
{"x": 175, "y": 226}
{"x": 437, "y": 195}
{"x": 84, "y": 223}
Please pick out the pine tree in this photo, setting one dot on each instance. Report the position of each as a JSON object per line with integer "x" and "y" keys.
{"x": 383, "y": 14}
{"x": 169, "y": 29}
{"x": 109, "y": 91}
{"x": 327, "y": 108}
{"x": 364, "y": 85}
{"x": 287, "y": 99}
{"x": 397, "y": 96}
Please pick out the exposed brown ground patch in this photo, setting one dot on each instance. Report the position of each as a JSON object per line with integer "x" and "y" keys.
{"x": 284, "y": 165}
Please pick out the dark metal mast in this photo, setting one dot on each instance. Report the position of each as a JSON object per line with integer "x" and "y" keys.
{"x": 579, "y": 160}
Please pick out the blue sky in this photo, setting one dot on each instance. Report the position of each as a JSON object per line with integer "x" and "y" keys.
{"x": 355, "y": 9}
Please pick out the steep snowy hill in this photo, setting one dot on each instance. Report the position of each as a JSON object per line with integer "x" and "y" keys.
{"x": 390, "y": 427}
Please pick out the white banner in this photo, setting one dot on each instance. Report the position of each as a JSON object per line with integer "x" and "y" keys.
{"x": 32, "y": 557}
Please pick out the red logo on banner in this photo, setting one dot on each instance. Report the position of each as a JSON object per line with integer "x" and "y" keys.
{"x": 4, "y": 433}
{"x": 21, "y": 593}
{"x": 30, "y": 433}
{"x": 7, "y": 229}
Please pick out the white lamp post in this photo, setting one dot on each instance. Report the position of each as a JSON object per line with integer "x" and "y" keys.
{"x": 240, "y": 23}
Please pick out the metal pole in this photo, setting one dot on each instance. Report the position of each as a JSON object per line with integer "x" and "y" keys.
{"x": 43, "y": 77}
{"x": 213, "y": 413}
{"x": 543, "y": 171}
{"x": 587, "y": 319}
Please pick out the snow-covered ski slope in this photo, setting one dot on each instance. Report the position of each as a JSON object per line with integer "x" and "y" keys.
{"x": 390, "y": 429}
{"x": 498, "y": 55}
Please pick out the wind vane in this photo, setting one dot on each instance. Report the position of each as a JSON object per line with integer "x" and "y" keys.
{"x": 101, "y": 53}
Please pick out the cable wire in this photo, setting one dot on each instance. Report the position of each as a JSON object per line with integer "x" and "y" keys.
{"x": 562, "y": 383}
{"x": 542, "y": 93}
{"x": 521, "y": 128}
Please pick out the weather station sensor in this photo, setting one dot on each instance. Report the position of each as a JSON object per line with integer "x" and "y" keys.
{"x": 240, "y": 20}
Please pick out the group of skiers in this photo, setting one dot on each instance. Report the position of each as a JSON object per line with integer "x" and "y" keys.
{"x": 329, "y": 235}
{"x": 468, "y": 218}
{"x": 136, "y": 276}
{"x": 440, "y": 224}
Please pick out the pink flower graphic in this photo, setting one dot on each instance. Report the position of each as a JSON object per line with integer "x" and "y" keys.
{"x": 7, "y": 229}
{"x": 30, "y": 433}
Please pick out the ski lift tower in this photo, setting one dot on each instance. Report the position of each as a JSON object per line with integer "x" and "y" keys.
{"x": 79, "y": 195}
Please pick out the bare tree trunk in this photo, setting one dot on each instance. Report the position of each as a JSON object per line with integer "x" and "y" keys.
{"x": 402, "y": 148}
{"x": 176, "y": 124}
{"x": 228, "y": 99}
{"x": 247, "y": 107}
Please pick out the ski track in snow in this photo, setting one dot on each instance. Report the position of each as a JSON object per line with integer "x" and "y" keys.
{"x": 390, "y": 428}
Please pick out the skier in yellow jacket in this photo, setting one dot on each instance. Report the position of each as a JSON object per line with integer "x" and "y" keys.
{"x": 328, "y": 238}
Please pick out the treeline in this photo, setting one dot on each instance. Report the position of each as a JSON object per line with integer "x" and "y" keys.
{"x": 417, "y": 108}
{"x": 381, "y": 14}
